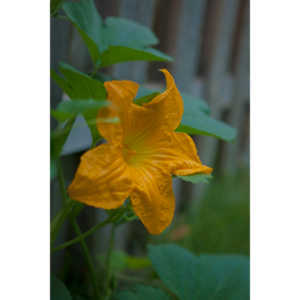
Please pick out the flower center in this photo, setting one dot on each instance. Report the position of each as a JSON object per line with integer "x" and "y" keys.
{"x": 129, "y": 154}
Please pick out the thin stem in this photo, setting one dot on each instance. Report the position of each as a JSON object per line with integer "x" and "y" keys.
{"x": 88, "y": 258}
{"x": 83, "y": 244}
{"x": 87, "y": 233}
{"x": 60, "y": 218}
{"x": 107, "y": 291}
{"x": 61, "y": 180}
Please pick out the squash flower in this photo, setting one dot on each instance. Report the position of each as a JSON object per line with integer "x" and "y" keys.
{"x": 141, "y": 154}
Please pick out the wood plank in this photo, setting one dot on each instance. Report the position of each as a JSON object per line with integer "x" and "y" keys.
{"x": 225, "y": 12}
{"x": 232, "y": 152}
{"x": 188, "y": 43}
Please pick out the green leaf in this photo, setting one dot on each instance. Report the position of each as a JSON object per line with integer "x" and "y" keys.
{"x": 54, "y": 6}
{"x": 59, "y": 137}
{"x": 214, "y": 277}
{"x": 194, "y": 104}
{"x": 145, "y": 99}
{"x": 205, "y": 125}
{"x": 196, "y": 178}
{"x": 121, "y": 261}
{"x": 85, "y": 18}
{"x": 58, "y": 290}
{"x": 117, "y": 40}
{"x": 124, "y": 32}
{"x": 53, "y": 169}
{"x": 88, "y": 108}
{"x": 79, "y": 86}
{"x": 117, "y": 54}
{"x": 143, "y": 292}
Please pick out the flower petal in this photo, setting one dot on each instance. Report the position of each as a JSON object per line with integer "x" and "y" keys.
{"x": 120, "y": 93}
{"x": 177, "y": 153}
{"x": 168, "y": 105}
{"x": 102, "y": 178}
{"x": 152, "y": 197}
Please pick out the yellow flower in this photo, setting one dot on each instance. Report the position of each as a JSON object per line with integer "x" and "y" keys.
{"x": 141, "y": 155}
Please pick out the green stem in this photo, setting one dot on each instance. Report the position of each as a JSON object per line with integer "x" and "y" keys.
{"x": 88, "y": 258}
{"x": 60, "y": 218}
{"x": 107, "y": 291}
{"x": 83, "y": 244}
{"x": 87, "y": 233}
{"x": 61, "y": 181}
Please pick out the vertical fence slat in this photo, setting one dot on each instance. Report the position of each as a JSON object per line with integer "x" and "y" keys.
{"x": 140, "y": 11}
{"x": 241, "y": 94}
{"x": 188, "y": 42}
{"x": 224, "y": 29}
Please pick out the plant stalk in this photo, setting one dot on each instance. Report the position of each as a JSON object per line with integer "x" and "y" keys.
{"x": 84, "y": 247}
{"x": 107, "y": 291}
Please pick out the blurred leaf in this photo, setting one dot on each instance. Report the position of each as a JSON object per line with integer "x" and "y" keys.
{"x": 143, "y": 292}
{"x": 121, "y": 261}
{"x": 194, "y": 104}
{"x": 117, "y": 40}
{"x": 79, "y": 86}
{"x": 205, "y": 125}
{"x": 214, "y": 277}
{"x": 85, "y": 18}
{"x": 88, "y": 108}
{"x": 59, "y": 137}
{"x": 220, "y": 221}
{"x": 54, "y": 6}
{"x": 117, "y": 54}
{"x": 53, "y": 169}
{"x": 58, "y": 290}
{"x": 145, "y": 95}
{"x": 196, "y": 178}
{"x": 124, "y": 32}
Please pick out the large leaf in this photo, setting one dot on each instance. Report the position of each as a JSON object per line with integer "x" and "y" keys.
{"x": 117, "y": 40}
{"x": 85, "y": 17}
{"x": 124, "y": 32}
{"x": 143, "y": 292}
{"x": 79, "y": 86}
{"x": 58, "y": 290}
{"x": 201, "y": 124}
{"x": 121, "y": 261}
{"x": 214, "y": 277}
{"x": 194, "y": 104}
{"x": 116, "y": 54}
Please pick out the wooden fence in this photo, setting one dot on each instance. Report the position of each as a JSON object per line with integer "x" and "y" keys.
{"x": 209, "y": 40}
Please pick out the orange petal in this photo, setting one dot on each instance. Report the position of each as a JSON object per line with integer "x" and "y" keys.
{"x": 152, "y": 197}
{"x": 120, "y": 93}
{"x": 168, "y": 105}
{"x": 102, "y": 178}
{"x": 177, "y": 153}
